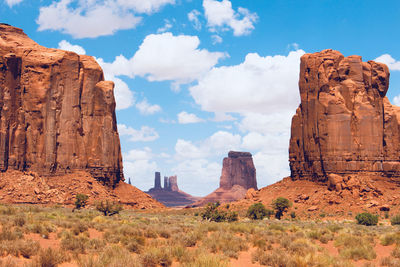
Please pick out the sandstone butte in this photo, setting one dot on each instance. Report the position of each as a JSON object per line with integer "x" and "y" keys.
{"x": 238, "y": 175}
{"x": 344, "y": 148}
{"x": 57, "y": 118}
{"x": 170, "y": 195}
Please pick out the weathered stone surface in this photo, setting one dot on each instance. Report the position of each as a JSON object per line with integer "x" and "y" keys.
{"x": 173, "y": 183}
{"x": 238, "y": 176}
{"x": 345, "y": 124}
{"x": 238, "y": 169}
{"x": 157, "y": 180}
{"x": 57, "y": 113}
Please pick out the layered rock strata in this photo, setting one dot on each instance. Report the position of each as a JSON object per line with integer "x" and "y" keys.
{"x": 57, "y": 113}
{"x": 345, "y": 124}
{"x": 238, "y": 175}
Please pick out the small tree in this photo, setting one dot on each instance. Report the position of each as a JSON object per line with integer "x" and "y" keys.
{"x": 280, "y": 205}
{"x": 257, "y": 211}
{"x": 367, "y": 219}
{"x": 108, "y": 208}
{"x": 81, "y": 201}
{"x": 213, "y": 214}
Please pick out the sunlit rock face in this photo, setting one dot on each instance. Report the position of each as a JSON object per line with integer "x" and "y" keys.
{"x": 57, "y": 114}
{"x": 345, "y": 124}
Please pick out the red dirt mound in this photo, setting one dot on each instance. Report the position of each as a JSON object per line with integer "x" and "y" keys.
{"x": 28, "y": 187}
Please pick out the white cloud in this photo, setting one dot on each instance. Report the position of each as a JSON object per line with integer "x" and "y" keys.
{"x": 140, "y": 168}
{"x": 193, "y": 16}
{"x": 145, "y": 134}
{"x": 259, "y": 85}
{"x": 185, "y": 118}
{"x": 166, "y": 27}
{"x": 165, "y": 57}
{"x": 216, "y": 145}
{"x": 147, "y": 109}
{"x": 65, "y": 45}
{"x": 206, "y": 172}
{"x": 216, "y": 39}
{"x": 389, "y": 61}
{"x": 11, "y": 3}
{"x": 396, "y": 100}
{"x": 220, "y": 15}
{"x": 86, "y": 18}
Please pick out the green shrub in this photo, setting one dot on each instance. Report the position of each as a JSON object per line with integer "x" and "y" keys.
{"x": 367, "y": 219}
{"x": 81, "y": 201}
{"x": 257, "y": 211}
{"x": 213, "y": 214}
{"x": 395, "y": 220}
{"x": 293, "y": 215}
{"x": 108, "y": 208}
{"x": 280, "y": 205}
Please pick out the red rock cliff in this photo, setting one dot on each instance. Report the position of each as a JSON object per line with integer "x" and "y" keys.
{"x": 238, "y": 169}
{"x": 345, "y": 124}
{"x": 57, "y": 114}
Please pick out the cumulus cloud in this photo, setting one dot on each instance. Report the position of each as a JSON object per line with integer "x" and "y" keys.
{"x": 220, "y": 15}
{"x": 193, "y": 17}
{"x": 11, "y": 3}
{"x": 146, "y": 108}
{"x": 145, "y": 134}
{"x": 217, "y": 144}
{"x": 65, "y": 45}
{"x": 185, "y": 118}
{"x": 259, "y": 85}
{"x": 389, "y": 61}
{"x": 165, "y": 57}
{"x": 89, "y": 19}
{"x": 94, "y": 18}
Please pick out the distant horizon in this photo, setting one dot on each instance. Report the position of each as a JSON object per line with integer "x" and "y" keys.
{"x": 196, "y": 79}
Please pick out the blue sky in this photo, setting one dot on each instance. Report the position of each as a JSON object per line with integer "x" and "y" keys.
{"x": 197, "y": 78}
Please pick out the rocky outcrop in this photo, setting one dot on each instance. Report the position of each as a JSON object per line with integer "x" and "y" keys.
{"x": 238, "y": 175}
{"x": 238, "y": 169}
{"x": 170, "y": 195}
{"x": 345, "y": 125}
{"x": 57, "y": 114}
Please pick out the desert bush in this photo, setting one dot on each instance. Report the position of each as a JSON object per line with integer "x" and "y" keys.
{"x": 75, "y": 244}
{"x": 19, "y": 221}
{"x": 81, "y": 200}
{"x": 389, "y": 261}
{"x": 355, "y": 247}
{"x": 8, "y": 262}
{"x": 396, "y": 252}
{"x": 390, "y": 239}
{"x": 208, "y": 260}
{"x": 367, "y": 219}
{"x": 79, "y": 227}
{"x": 112, "y": 256}
{"x": 24, "y": 248}
{"x": 108, "y": 208}
{"x": 257, "y": 211}
{"x": 50, "y": 258}
{"x": 8, "y": 234}
{"x": 153, "y": 257}
{"x": 273, "y": 258}
{"x": 280, "y": 205}
{"x": 395, "y": 220}
{"x": 213, "y": 214}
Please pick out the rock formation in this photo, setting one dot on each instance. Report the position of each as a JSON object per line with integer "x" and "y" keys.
{"x": 170, "y": 195}
{"x": 57, "y": 112}
{"x": 345, "y": 125}
{"x": 157, "y": 181}
{"x": 58, "y": 130}
{"x": 238, "y": 175}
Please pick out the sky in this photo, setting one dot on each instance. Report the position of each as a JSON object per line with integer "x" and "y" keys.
{"x": 195, "y": 79}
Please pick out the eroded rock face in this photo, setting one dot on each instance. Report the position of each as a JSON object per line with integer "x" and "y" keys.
{"x": 345, "y": 124}
{"x": 57, "y": 113}
{"x": 238, "y": 175}
{"x": 173, "y": 183}
{"x": 238, "y": 169}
